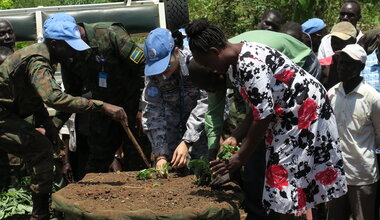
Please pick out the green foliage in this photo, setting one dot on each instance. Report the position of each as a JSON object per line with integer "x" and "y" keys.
{"x": 201, "y": 169}
{"x": 160, "y": 173}
{"x": 241, "y": 15}
{"x": 6, "y": 4}
{"x": 17, "y": 200}
{"x": 145, "y": 174}
{"x": 21, "y": 44}
{"x": 227, "y": 152}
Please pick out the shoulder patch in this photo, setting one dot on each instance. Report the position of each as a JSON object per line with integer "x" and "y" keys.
{"x": 136, "y": 55}
{"x": 152, "y": 91}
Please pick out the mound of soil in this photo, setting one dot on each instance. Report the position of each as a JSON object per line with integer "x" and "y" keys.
{"x": 116, "y": 195}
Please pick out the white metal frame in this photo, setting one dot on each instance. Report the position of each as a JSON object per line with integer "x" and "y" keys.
{"x": 67, "y": 8}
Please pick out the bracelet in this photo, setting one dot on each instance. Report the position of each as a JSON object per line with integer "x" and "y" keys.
{"x": 160, "y": 158}
{"x": 117, "y": 156}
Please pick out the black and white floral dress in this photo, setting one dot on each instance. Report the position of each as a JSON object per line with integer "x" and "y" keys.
{"x": 304, "y": 161}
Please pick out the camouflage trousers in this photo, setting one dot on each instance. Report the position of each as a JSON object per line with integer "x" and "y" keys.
{"x": 20, "y": 138}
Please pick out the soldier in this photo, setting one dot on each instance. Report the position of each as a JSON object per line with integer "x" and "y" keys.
{"x": 112, "y": 70}
{"x": 26, "y": 84}
{"x": 173, "y": 116}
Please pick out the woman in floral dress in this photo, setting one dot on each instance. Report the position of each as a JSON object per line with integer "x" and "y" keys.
{"x": 290, "y": 109}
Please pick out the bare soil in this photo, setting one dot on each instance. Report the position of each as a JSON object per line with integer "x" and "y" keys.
{"x": 123, "y": 191}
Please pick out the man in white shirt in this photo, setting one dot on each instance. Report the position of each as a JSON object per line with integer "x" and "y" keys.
{"x": 357, "y": 109}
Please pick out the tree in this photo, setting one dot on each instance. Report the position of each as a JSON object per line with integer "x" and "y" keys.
{"x": 238, "y": 16}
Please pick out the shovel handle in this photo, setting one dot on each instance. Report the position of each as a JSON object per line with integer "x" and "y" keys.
{"x": 124, "y": 123}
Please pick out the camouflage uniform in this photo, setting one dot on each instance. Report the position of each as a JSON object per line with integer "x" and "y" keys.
{"x": 113, "y": 71}
{"x": 26, "y": 84}
{"x": 174, "y": 111}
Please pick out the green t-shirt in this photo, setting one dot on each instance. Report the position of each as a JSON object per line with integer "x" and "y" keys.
{"x": 286, "y": 44}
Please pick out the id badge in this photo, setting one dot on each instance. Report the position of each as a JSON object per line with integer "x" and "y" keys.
{"x": 103, "y": 79}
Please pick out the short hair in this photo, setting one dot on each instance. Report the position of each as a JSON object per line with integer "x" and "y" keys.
{"x": 293, "y": 26}
{"x": 275, "y": 12}
{"x": 354, "y": 2}
{"x": 6, "y": 21}
{"x": 203, "y": 35}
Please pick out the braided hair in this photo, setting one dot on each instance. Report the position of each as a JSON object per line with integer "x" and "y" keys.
{"x": 204, "y": 35}
{"x": 178, "y": 39}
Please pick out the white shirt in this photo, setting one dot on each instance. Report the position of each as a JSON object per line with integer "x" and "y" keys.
{"x": 358, "y": 118}
{"x": 325, "y": 49}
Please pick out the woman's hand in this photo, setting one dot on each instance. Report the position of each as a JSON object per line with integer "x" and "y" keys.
{"x": 180, "y": 155}
{"x": 230, "y": 166}
{"x": 160, "y": 162}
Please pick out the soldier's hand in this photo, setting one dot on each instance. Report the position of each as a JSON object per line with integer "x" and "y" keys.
{"x": 41, "y": 130}
{"x": 180, "y": 155}
{"x": 116, "y": 112}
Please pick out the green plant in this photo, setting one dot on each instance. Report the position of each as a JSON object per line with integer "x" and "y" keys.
{"x": 164, "y": 172}
{"x": 160, "y": 173}
{"x": 227, "y": 151}
{"x": 16, "y": 200}
{"x": 201, "y": 168}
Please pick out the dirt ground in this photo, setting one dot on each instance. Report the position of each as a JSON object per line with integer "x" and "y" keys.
{"x": 122, "y": 191}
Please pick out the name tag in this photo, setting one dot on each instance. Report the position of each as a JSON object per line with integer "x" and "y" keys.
{"x": 103, "y": 79}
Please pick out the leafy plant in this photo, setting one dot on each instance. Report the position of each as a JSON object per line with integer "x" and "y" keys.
{"x": 227, "y": 151}
{"x": 201, "y": 170}
{"x": 164, "y": 172}
{"x": 160, "y": 173}
{"x": 16, "y": 200}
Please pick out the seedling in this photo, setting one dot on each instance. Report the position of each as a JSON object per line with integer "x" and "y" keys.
{"x": 164, "y": 172}
{"x": 201, "y": 170}
{"x": 227, "y": 152}
{"x": 145, "y": 174}
{"x": 160, "y": 173}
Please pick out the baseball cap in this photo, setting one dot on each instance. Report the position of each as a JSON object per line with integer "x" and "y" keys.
{"x": 313, "y": 25}
{"x": 157, "y": 48}
{"x": 62, "y": 26}
{"x": 343, "y": 30}
{"x": 355, "y": 51}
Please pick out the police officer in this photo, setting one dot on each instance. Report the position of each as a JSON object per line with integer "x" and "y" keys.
{"x": 112, "y": 70}
{"x": 26, "y": 84}
{"x": 173, "y": 117}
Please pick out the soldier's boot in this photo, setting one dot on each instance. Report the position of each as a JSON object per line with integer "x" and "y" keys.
{"x": 40, "y": 206}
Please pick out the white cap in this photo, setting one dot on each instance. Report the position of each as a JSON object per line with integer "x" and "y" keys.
{"x": 356, "y": 52}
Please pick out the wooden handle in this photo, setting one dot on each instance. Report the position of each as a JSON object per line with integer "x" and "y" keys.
{"x": 133, "y": 139}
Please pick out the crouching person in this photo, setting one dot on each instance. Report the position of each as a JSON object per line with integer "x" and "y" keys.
{"x": 26, "y": 84}
{"x": 174, "y": 110}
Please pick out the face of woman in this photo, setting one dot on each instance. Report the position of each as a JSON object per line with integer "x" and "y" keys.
{"x": 173, "y": 65}
{"x": 214, "y": 61}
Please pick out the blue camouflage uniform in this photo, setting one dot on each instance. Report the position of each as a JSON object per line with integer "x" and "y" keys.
{"x": 174, "y": 111}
